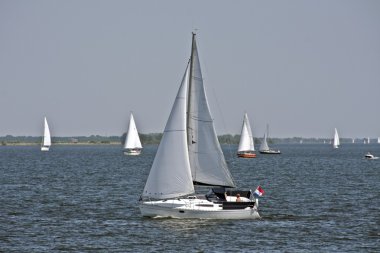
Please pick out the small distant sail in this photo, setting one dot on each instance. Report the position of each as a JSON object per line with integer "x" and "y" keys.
{"x": 132, "y": 144}
{"x": 336, "y": 139}
{"x": 264, "y": 144}
{"x": 46, "y": 143}
{"x": 246, "y": 139}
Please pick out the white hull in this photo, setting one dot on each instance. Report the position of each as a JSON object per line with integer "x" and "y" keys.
{"x": 43, "y": 148}
{"x": 270, "y": 152}
{"x": 369, "y": 156}
{"x": 132, "y": 152}
{"x": 335, "y": 146}
{"x": 194, "y": 209}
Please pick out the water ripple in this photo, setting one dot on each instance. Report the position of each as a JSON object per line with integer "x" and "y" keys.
{"x": 83, "y": 199}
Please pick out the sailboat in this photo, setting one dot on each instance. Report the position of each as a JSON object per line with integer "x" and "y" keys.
{"x": 246, "y": 147}
{"x": 189, "y": 157}
{"x": 132, "y": 145}
{"x": 336, "y": 142}
{"x": 264, "y": 148}
{"x": 46, "y": 141}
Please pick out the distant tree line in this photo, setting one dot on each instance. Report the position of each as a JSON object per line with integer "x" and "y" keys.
{"x": 151, "y": 138}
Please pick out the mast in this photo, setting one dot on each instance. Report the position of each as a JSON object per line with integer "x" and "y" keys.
{"x": 190, "y": 76}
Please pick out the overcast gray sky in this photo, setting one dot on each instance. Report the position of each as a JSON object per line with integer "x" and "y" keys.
{"x": 304, "y": 67}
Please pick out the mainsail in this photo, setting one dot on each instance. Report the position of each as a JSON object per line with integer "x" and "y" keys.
{"x": 246, "y": 139}
{"x": 264, "y": 144}
{"x": 47, "y": 138}
{"x": 208, "y": 166}
{"x": 336, "y": 139}
{"x": 132, "y": 139}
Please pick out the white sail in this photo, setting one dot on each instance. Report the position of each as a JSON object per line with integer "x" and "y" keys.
{"x": 170, "y": 175}
{"x": 378, "y": 140}
{"x": 207, "y": 161}
{"x": 264, "y": 144}
{"x": 132, "y": 139}
{"x": 336, "y": 139}
{"x": 47, "y": 138}
{"x": 246, "y": 139}
{"x": 368, "y": 140}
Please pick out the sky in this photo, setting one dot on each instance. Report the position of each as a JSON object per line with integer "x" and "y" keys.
{"x": 303, "y": 67}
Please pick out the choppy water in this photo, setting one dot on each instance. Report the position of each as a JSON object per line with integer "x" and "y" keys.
{"x": 83, "y": 199}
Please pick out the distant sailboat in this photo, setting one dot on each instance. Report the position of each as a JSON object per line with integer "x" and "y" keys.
{"x": 368, "y": 140}
{"x": 132, "y": 145}
{"x": 264, "y": 148}
{"x": 336, "y": 139}
{"x": 378, "y": 140}
{"x": 246, "y": 147}
{"x": 46, "y": 142}
{"x": 353, "y": 140}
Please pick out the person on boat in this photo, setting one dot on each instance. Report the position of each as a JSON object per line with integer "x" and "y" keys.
{"x": 238, "y": 199}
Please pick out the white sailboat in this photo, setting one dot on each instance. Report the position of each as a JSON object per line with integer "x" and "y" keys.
{"x": 336, "y": 142}
{"x": 46, "y": 141}
{"x": 132, "y": 145}
{"x": 189, "y": 154}
{"x": 264, "y": 148}
{"x": 378, "y": 140}
{"x": 246, "y": 147}
{"x": 368, "y": 140}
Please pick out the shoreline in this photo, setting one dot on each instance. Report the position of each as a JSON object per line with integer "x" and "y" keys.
{"x": 60, "y": 144}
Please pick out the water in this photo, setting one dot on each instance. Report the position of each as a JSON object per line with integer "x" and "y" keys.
{"x": 83, "y": 199}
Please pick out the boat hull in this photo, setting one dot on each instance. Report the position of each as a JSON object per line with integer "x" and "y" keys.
{"x": 270, "y": 152}
{"x": 195, "y": 209}
{"x": 132, "y": 151}
{"x": 45, "y": 148}
{"x": 246, "y": 155}
{"x": 371, "y": 158}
